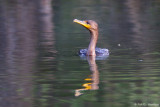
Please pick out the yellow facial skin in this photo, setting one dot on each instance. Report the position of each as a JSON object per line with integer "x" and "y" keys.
{"x": 87, "y": 86}
{"x": 83, "y": 23}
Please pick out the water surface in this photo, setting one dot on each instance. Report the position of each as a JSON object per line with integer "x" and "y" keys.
{"x": 39, "y": 63}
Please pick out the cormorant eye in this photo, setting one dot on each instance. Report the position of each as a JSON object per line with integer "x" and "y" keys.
{"x": 87, "y": 22}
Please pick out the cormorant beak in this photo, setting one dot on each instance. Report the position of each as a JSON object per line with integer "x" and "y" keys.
{"x": 83, "y": 23}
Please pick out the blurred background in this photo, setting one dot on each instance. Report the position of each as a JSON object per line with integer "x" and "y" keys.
{"x": 40, "y": 67}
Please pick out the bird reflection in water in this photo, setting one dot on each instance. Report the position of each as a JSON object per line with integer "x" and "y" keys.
{"x": 92, "y": 53}
{"x": 92, "y": 80}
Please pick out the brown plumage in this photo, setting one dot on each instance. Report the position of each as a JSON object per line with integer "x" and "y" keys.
{"x": 92, "y": 26}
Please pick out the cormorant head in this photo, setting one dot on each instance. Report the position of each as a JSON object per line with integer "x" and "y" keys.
{"x": 89, "y": 24}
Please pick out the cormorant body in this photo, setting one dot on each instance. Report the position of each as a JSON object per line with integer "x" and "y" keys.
{"x": 92, "y": 50}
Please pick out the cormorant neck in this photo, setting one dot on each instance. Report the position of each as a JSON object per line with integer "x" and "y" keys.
{"x": 93, "y": 42}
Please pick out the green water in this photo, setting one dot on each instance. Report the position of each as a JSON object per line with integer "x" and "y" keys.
{"x": 39, "y": 63}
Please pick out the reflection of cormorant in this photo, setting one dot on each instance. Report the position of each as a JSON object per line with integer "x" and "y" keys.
{"x": 93, "y": 80}
{"x": 92, "y": 26}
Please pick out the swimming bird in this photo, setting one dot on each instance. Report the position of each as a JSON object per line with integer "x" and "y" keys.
{"x": 92, "y": 50}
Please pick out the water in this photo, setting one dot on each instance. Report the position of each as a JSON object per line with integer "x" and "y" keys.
{"x": 40, "y": 67}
